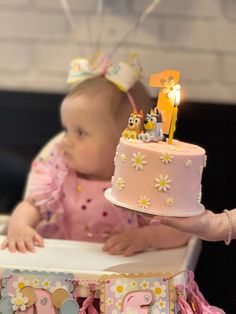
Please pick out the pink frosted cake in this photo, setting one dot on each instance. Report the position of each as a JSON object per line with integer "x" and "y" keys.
{"x": 158, "y": 178}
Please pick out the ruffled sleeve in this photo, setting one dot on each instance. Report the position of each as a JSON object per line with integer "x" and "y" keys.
{"x": 45, "y": 181}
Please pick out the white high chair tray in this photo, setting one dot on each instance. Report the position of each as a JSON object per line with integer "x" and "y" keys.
{"x": 89, "y": 261}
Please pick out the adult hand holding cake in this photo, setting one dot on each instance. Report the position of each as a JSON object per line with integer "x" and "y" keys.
{"x": 207, "y": 226}
{"x": 155, "y": 176}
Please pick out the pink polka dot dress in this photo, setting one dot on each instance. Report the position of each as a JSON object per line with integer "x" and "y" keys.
{"x": 72, "y": 207}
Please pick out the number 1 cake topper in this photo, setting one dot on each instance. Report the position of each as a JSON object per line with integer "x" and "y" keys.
{"x": 168, "y": 99}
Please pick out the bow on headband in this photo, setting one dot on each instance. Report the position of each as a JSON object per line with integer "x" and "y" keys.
{"x": 124, "y": 74}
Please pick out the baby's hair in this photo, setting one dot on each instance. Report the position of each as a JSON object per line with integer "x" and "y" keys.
{"x": 120, "y": 106}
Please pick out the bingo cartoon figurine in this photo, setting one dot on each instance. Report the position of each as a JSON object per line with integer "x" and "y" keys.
{"x": 153, "y": 127}
{"x": 135, "y": 125}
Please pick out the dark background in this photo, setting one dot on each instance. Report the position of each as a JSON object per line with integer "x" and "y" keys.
{"x": 28, "y": 120}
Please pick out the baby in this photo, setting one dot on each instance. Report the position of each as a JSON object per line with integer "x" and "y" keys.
{"x": 65, "y": 198}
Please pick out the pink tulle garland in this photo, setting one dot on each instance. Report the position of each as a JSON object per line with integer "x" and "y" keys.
{"x": 87, "y": 306}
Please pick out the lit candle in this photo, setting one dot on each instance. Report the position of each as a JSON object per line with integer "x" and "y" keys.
{"x": 174, "y": 116}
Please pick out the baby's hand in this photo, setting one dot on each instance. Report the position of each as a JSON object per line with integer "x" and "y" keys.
{"x": 22, "y": 238}
{"x": 127, "y": 243}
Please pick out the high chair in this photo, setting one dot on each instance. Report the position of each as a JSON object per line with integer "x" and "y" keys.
{"x": 67, "y": 270}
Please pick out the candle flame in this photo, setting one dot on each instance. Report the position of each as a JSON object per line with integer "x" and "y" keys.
{"x": 177, "y": 97}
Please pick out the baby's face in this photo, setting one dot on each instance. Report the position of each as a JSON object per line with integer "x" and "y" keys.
{"x": 91, "y": 136}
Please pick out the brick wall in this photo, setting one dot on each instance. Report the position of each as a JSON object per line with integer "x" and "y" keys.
{"x": 195, "y": 36}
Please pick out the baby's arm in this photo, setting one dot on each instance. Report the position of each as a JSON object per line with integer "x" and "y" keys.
{"x": 21, "y": 235}
{"x": 136, "y": 240}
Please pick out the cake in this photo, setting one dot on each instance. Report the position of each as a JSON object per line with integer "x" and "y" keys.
{"x": 153, "y": 175}
{"x": 158, "y": 178}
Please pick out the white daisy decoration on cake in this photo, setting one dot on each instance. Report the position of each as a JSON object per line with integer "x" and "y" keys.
{"x": 169, "y": 201}
{"x": 166, "y": 158}
{"x": 120, "y": 183}
{"x": 170, "y": 88}
{"x": 163, "y": 183}
{"x": 144, "y": 202}
{"x": 188, "y": 163}
{"x": 138, "y": 161}
{"x": 123, "y": 157}
{"x": 19, "y": 302}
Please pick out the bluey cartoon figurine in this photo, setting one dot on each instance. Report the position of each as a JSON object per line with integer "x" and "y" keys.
{"x": 135, "y": 125}
{"x": 153, "y": 127}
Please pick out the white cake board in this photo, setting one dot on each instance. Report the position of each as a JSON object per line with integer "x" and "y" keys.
{"x": 110, "y": 198}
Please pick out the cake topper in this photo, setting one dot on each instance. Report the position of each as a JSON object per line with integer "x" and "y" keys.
{"x": 153, "y": 127}
{"x": 135, "y": 125}
{"x": 162, "y": 119}
{"x": 168, "y": 99}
